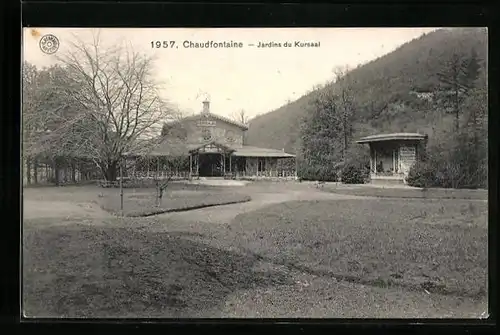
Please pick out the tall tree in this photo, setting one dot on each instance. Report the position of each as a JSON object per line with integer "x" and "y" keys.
{"x": 472, "y": 68}
{"x": 465, "y": 159}
{"x": 44, "y": 110}
{"x": 476, "y": 131}
{"x": 29, "y": 90}
{"x": 457, "y": 79}
{"x": 320, "y": 130}
{"x": 343, "y": 88}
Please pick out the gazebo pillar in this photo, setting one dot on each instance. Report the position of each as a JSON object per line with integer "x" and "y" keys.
{"x": 223, "y": 161}
{"x": 198, "y": 164}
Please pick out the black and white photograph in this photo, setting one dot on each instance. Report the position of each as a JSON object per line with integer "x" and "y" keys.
{"x": 254, "y": 172}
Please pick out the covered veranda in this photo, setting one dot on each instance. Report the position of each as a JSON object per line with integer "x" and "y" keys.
{"x": 175, "y": 159}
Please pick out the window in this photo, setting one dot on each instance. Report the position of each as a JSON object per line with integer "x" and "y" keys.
{"x": 230, "y": 136}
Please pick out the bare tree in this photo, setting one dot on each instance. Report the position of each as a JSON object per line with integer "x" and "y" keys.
{"x": 119, "y": 105}
{"x": 241, "y": 116}
{"x": 170, "y": 167}
{"x": 174, "y": 159}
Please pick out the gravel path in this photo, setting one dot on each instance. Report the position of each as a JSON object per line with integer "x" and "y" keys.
{"x": 38, "y": 209}
{"x": 261, "y": 197}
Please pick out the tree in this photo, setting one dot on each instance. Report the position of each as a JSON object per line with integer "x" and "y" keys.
{"x": 171, "y": 163}
{"x": 466, "y": 164}
{"x": 476, "y": 131}
{"x": 174, "y": 127}
{"x": 29, "y": 90}
{"x": 320, "y": 130}
{"x": 457, "y": 79}
{"x": 241, "y": 116}
{"x": 118, "y": 103}
{"x": 346, "y": 104}
{"x": 44, "y": 110}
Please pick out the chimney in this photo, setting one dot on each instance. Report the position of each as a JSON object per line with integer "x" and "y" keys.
{"x": 206, "y": 106}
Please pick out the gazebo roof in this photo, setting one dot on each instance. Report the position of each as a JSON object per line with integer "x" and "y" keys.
{"x": 392, "y": 137}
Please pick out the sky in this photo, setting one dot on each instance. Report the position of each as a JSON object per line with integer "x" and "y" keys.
{"x": 258, "y": 80}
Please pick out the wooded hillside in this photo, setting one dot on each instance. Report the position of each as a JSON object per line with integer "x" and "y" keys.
{"x": 392, "y": 93}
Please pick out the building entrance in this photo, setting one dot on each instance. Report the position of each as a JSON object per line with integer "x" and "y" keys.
{"x": 211, "y": 165}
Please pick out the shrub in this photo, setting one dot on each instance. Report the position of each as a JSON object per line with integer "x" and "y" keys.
{"x": 306, "y": 171}
{"x": 354, "y": 174}
{"x": 327, "y": 173}
{"x": 314, "y": 172}
{"x": 421, "y": 174}
{"x": 458, "y": 161}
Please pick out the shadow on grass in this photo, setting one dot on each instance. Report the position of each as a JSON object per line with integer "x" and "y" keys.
{"x": 144, "y": 204}
{"x": 123, "y": 272}
{"x": 154, "y": 211}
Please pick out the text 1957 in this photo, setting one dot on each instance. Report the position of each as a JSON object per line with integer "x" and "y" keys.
{"x": 163, "y": 44}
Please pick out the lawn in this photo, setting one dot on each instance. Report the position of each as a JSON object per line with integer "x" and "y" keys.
{"x": 113, "y": 271}
{"x": 424, "y": 245}
{"x": 178, "y": 265}
{"x": 142, "y": 202}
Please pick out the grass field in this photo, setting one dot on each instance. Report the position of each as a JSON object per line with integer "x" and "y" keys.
{"x": 311, "y": 253}
{"x": 422, "y": 245}
{"x": 82, "y": 271}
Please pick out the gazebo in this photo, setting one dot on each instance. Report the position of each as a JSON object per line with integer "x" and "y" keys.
{"x": 392, "y": 155}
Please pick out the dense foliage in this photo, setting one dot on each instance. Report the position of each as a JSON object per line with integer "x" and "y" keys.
{"x": 435, "y": 84}
{"x": 422, "y": 175}
{"x": 354, "y": 174}
{"x": 316, "y": 172}
{"x": 458, "y": 158}
{"x": 460, "y": 162}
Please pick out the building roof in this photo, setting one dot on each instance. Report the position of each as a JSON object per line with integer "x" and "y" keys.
{"x": 199, "y": 146}
{"x": 250, "y": 151}
{"x": 176, "y": 147}
{"x": 164, "y": 147}
{"x": 217, "y": 117}
{"x": 392, "y": 137}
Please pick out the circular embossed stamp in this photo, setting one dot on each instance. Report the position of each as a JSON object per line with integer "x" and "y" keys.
{"x": 49, "y": 44}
